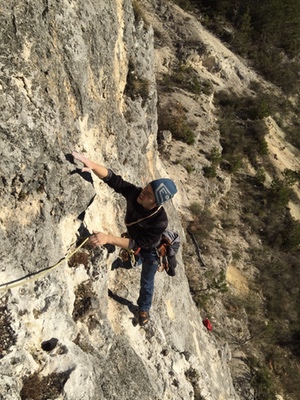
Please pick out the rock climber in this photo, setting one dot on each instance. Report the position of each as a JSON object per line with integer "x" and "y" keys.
{"x": 145, "y": 220}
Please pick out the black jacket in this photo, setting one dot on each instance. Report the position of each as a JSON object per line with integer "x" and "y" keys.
{"x": 146, "y": 233}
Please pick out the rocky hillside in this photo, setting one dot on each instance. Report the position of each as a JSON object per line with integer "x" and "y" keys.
{"x": 89, "y": 76}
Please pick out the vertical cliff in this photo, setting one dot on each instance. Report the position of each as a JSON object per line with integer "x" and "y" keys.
{"x": 80, "y": 76}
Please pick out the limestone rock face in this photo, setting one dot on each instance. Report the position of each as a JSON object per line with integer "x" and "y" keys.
{"x": 80, "y": 76}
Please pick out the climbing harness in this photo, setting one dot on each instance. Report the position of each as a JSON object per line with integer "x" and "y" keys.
{"x": 167, "y": 250}
{"x": 35, "y": 275}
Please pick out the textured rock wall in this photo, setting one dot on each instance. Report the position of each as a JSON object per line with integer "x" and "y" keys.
{"x": 65, "y": 70}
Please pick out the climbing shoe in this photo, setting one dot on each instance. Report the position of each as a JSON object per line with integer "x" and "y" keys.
{"x": 143, "y": 317}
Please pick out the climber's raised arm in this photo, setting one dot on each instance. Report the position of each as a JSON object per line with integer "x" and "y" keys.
{"x": 100, "y": 171}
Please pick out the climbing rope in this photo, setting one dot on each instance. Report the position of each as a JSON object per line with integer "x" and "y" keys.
{"x": 35, "y": 275}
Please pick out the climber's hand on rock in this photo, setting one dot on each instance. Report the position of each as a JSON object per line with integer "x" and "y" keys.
{"x": 98, "y": 239}
{"x": 88, "y": 163}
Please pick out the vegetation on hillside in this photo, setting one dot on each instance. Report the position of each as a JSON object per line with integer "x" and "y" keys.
{"x": 274, "y": 323}
{"x": 267, "y": 34}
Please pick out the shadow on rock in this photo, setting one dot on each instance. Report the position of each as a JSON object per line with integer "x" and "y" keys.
{"x": 124, "y": 302}
{"x": 87, "y": 176}
{"x": 118, "y": 263}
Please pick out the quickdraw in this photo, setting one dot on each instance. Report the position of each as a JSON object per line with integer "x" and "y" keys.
{"x": 129, "y": 255}
{"x": 161, "y": 252}
{"x": 35, "y": 275}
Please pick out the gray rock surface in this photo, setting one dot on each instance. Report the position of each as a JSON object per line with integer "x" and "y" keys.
{"x": 81, "y": 76}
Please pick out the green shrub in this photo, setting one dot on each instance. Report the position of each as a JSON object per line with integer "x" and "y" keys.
{"x": 196, "y": 208}
{"x": 293, "y": 134}
{"x": 174, "y": 119}
{"x": 279, "y": 193}
{"x": 215, "y": 158}
{"x": 218, "y": 283}
{"x": 291, "y": 177}
{"x": 210, "y": 171}
{"x": 262, "y": 381}
{"x": 245, "y": 107}
{"x": 205, "y": 290}
{"x": 189, "y": 167}
{"x": 260, "y": 175}
{"x": 184, "y": 4}
{"x": 135, "y": 85}
{"x": 291, "y": 234}
{"x": 242, "y": 128}
{"x": 185, "y": 77}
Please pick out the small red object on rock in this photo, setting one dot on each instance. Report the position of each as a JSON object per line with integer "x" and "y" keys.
{"x": 207, "y": 324}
